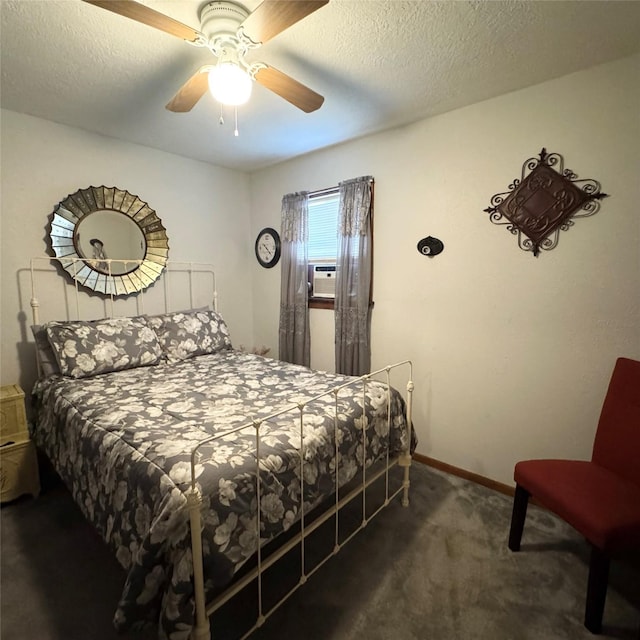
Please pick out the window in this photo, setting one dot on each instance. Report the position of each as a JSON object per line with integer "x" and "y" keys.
{"x": 323, "y": 247}
{"x": 323, "y": 225}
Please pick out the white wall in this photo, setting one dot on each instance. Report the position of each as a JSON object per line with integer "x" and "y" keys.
{"x": 512, "y": 353}
{"x": 205, "y": 210}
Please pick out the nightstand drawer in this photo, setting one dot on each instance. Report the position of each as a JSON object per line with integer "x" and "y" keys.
{"x": 18, "y": 470}
{"x": 13, "y": 420}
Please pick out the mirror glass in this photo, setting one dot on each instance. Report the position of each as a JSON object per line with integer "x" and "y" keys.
{"x": 109, "y": 240}
{"x": 110, "y": 234}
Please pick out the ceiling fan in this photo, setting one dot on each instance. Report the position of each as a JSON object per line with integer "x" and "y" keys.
{"x": 230, "y": 31}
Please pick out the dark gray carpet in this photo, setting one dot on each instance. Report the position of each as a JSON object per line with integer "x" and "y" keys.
{"x": 451, "y": 576}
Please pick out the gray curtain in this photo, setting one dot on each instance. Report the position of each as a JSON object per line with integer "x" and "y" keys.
{"x": 353, "y": 277}
{"x": 294, "y": 293}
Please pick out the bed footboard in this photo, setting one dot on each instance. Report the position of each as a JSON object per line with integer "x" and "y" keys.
{"x": 201, "y": 630}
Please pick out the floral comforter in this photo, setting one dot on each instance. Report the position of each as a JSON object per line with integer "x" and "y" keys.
{"x": 122, "y": 441}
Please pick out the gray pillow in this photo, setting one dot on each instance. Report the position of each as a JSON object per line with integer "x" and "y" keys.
{"x": 84, "y": 349}
{"x": 46, "y": 357}
{"x": 184, "y": 334}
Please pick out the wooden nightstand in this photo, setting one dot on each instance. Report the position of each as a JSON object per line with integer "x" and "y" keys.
{"x": 18, "y": 461}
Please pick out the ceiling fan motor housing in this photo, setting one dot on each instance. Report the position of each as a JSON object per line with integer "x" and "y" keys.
{"x": 221, "y": 18}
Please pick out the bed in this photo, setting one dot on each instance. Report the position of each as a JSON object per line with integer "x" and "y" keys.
{"x": 191, "y": 458}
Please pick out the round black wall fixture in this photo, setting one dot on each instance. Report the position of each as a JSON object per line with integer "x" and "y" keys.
{"x": 430, "y": 246}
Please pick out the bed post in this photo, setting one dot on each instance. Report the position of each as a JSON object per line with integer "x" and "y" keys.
{"x": 405, "y": 457}
{"x": 201, "y": 629}
{"x": 34, "y": 301}
{"x": 35, "y": 314}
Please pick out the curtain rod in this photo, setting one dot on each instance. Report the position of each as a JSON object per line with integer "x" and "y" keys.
{"x": 328, "y": 190}
{"x": 324, "y": 192}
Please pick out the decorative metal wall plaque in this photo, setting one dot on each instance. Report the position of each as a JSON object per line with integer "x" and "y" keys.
{"x": 543, "y": 202}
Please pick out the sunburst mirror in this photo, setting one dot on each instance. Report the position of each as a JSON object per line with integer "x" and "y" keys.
{"x": 109, "y": 240}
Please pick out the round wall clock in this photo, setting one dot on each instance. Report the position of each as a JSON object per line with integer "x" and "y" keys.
{"x": 268, "y": 247}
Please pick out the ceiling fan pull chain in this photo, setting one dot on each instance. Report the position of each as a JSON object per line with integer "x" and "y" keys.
{"x": 235, "y": 131}
{"x": 221, "y": 120}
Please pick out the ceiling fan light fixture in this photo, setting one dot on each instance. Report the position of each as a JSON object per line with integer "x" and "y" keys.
{"x": 229, "y": 84}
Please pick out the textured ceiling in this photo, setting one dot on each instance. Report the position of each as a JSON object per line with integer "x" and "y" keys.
{"x": 379, "y": 64}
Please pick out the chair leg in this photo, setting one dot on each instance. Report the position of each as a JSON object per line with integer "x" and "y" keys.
{"x": 596, "y": 590}
{"x": 518, "y": 516}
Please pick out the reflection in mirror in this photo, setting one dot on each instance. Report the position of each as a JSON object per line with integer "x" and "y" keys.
{"x": 94, "y": 228}
{"x": 109, "y": 234}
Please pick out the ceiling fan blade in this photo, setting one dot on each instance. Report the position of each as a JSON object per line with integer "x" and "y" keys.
{"x": 191, "y": 91}
{"x": 274, "y": 16}
{"x": 289, "y": 89}
{"x": 151, "y": 17}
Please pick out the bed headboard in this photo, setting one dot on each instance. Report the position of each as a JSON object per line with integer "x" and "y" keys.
{"x": 182, "y": 285}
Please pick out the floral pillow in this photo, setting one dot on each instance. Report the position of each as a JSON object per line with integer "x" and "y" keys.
{"x": 46, "y": 357}
{"x": 85, "y": 349}
{"x": 185, "y": 334}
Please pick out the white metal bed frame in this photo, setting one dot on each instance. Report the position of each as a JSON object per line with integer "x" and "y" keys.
{"x": 201, "y": 630}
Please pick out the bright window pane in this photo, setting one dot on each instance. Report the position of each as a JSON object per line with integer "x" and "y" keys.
{"x": 323, "y": 227}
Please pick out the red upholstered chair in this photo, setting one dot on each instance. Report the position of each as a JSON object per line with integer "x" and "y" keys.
{"x": 600, "y": 498}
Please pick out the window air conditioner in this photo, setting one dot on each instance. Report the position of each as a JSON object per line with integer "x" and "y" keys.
{"x": 324, "y": 280}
